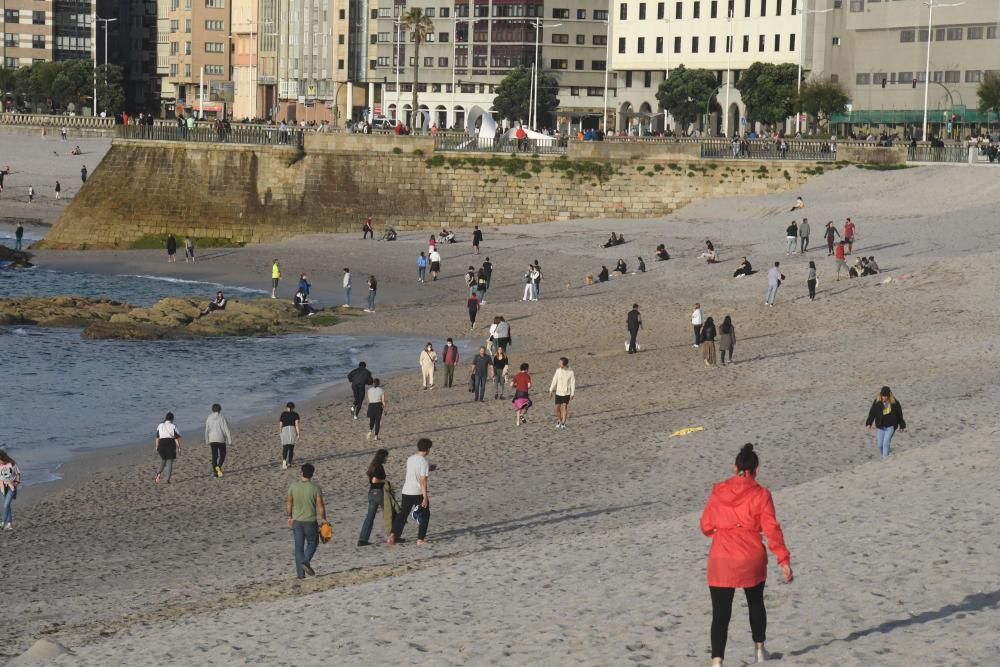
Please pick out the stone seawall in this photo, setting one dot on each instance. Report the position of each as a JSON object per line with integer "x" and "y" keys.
{"x": 249, "y": 194}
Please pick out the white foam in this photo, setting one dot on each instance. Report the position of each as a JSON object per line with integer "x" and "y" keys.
{"x": 167, "y": 279}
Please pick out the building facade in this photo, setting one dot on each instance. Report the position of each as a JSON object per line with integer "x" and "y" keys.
{"x": 194, "y": 60}
{"x": 245, "y": 40}
{"x": 28, "y": 33}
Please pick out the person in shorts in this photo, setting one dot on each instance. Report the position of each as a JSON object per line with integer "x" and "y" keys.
{"x": 563, "y": 387}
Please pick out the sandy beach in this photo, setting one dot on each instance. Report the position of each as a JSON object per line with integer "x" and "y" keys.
{"x": 579, "y": 546}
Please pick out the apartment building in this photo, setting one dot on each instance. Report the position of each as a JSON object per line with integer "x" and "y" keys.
{"x": 474, "y": 45}
{"x": 878, "y": 52}
{"x": 194, "y": 49}
{"x": 245, "y": 39}
{"x": 131, "y": 44}
{"x": 28, "y": 33}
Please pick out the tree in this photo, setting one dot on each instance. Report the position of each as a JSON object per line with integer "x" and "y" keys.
{"x": 768, "y": 91}
{"x": 513, "y": 96}
{"x": 109, "y": 89}
{"x": 686, "y": 93}
{"x": 420, "y": 25}
{"x": 822, "y": 98}
{"x": 989, "y": 94}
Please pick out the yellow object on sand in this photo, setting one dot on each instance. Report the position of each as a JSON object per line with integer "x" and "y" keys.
{"x": 686, "y": 431}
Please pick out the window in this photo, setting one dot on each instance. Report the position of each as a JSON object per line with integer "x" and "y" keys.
{"x": 641, "y": 48}
{"x": 581, "y": 14}
{"x": 642, "y": 11}
{"x": 444, "y": 37}
{"x": 760, "y": 44}
{"x": 647, "y": 79}
{"x": 660, "y": 10}
{"x": 955, "y": 34}
{"x": 214, "y": 47}
{"x": 174, "y": 24}
{"x": 581, "y": 40}
{"x": 559, "y": 63}
{"x": 975, "y": 33}
{"x": 342, "y": 15}
{"x": 697, "y": 10}
{"x": 628, "y": 79}
{"x": 991, "y": 32}
{"x": 791, "y": 42}
{"x": 922, "y": 35}
{"x": 385, "y": 37}
{"x": 173, "y": 69}
{"x": 600, "y": 40}
{"x": 622, "y": 11}
{"x": 711, "y": 44}
{"x": 429, "y": 37}
{"x": 904, "y": 77}
{"x": 214, "y": 70}
{"x": 862, "y": 79}
{"x": 857, "y": 5}
{"x": 600, "y": 15}
{"x": 214, "y": 25}
{"x": 763, "y": 7}
{"x": 215, "y": 4}
{"x": 383, "y": 61}
{"x": 729, "y": 44}
{"x": 595, "y": 92}
{"x": 659, "y": 45}
{"x": 340, "y": 64}
{"x": 557, "y": 13}
{"x": 694, "y": 45}
{"x": 11, "y": 16}
{"x": 560, "y": 39}
{"x": 598, "y": 65}
{"x": 621, "y": 45}
{"x": 777, "y": 43}
{"x": 677, "y": 44}
{"x": 795, "y": 7}
{"x": 714, "y": 9}
{"x": 385, "y": 12}
{"x": 38, "y": 41}
{"x": 428, "y": 61}
{"x": 679, "y": 10}
{"x": 444, "y": 12}
{"x": 878, "y": 78}
{"x": 746, "y": 8}
{"x": 579, "y": 65}
{"x": 187, "y": 70}
{"x": 187, "y": 26}
{"x": 38, "y": 18}
{"x": 952, "y": 76}
{"x": 836, "y": 41}
{"x": 777, "y": 8}
{"x": 939, "y": 34}
{"x": 442, "y": 62}
{"x": 746, "y": 43}
{"x": 173, "y": 48}
{"x": 574, "y": 91}
{"x": 973, "y": 76}
{"x": 429, "y": 12}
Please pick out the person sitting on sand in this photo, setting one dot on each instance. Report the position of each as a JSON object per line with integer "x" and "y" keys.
{"x": 446, "y": 236}
{"x": 621, "y": 239}
{"x": 642, "y": 265}
{"x": 301, "y": 302}
{"x": 858, "y": 269}
{"x": 872, "y": 266}
{"x": 710, "y": 256}
{"x": 218, "y": 304}
{"x": 661, "y": 253}
{"x": 621, "y": 268}
{"x": 602, "y": 277}
{"x": 744, "y": 269}
{"x": 388, "y": 235}
{"x": 798, "y": 204}
{"x": 613, "y": 241}
{"x": 76, "y": 151}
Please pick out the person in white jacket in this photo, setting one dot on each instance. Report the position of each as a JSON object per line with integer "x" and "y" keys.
{"x": 697, "y": 319}
{"x": 428, "y": 361}
{"x": 217, "y": 436}
{"x": 347, "y": 287}
{"x": 563, "y": 387}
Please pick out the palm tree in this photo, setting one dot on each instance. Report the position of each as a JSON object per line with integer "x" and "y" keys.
{"x": 420, "y": 25}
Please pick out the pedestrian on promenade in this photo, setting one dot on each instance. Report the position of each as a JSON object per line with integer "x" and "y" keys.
{"x": 536, "y": 281}
{"x": 737, "y": 512}
{"x": 481, "y": 285}
{"x": 376, "y": 494}
{"x": 31, "y": 193}
{"x": 416, "y": 493}
{"x": 727, "y": 339}
{"x": 477, "y": 238}
{"x": 886, "y": 416}
{"x": 481, "y": 364}
{"x": 708, "y": 334}
{"x": 488, "y": 270}
{"x": 168, "y": 445}
{"x": 376, "y": 408}
{"x": 435, "y": 260}
{"x": 289, "y": 430}
{"x": 428, "y": 362}
{"x": 633, "y": 322}
{"x": 840, "y": 256}
{"x": 347, "y": 287}
{"x": 774, "y": 278}
{"x": 83, "y": 173}
{"x": 501, "y": 373}
{"x": 58, "y": 190}
{"x": 522, "y": 394}
{"x": 529, "y": 284}
{"x": 500, "y": 332}
{"x": 10, "y": 479}
{"x": 804, "y": 235}
{"x": 563, "y": 387}
{"x": 275, "y": 277}
{"x": 372, "y": 291}
{"x": 305, "y": 509}
{"x": 450, "y": 358}
{"x": 171, "y": 249}
{"x": 217, "y": 437}
{"x": 811, "y": 281}
{"x": 422, "y": 268}
{"x": 368, "y": 229}
{"x": 472, "y": 305}
{"x": 359, "y": 378}
{"x": 849, "y": 231}
{"x": 830, "y": 233}
{"x": 697, "y": 319}
{"x": 792, "y": 236}
{"x": 18, "y": 236}
{"x": 188, "y": 250}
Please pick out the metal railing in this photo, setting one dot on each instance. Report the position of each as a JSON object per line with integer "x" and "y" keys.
{"x": 55, "y": 120}
{"x": 465, "y": 143}
{"x": 768, "y": 149}
{"x": 263, "y": 135}
{"x": 928, "y": 153}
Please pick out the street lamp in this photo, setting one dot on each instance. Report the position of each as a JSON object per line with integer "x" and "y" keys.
{"x": 106, "y": 22}
{"x": 729, "y": 69}
{"x": 395, "y": 56}
{"x": 607, "y": 66}
{"x": 802, "y": 51}
{"x": 533, "y": 120}
{"x": 454, "y": 59}
{"x": 927, "y": 68}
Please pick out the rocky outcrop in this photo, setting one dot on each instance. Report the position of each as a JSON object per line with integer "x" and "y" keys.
{"x": 169, "y": 318}
{"x": 17, "y": 258}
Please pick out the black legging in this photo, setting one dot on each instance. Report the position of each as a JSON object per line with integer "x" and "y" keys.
{"x": 812, "y": 288}
{"x": 722, "y": 609}
{"x": 359, "y": 397}
{"x": 374, "y": 417}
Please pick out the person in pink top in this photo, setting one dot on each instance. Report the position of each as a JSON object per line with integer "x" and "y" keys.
{"x": 737, "y": 512}
{"x": 849, "y": 235}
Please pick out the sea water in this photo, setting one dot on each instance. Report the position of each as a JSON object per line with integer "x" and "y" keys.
{"x": 62, "y": 394}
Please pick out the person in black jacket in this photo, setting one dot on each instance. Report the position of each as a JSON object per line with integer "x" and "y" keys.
{"x": 603, "y": 276}
{"x": 886, "y": 415}
{"x": 359, "y": 378}
{"x": 708, "y": 341}
{"x": 633, "y": 322}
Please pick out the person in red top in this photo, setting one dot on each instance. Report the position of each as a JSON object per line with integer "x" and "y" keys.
{"x": 737, "y": 512}
{"x": 849, "y": 235}
{"x": 522, "y": 397}
{"x": 841, "y": 259}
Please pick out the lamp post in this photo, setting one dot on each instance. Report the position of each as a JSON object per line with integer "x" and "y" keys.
{"x": 729, "y": 69}
{"x": 106, "y": 22}
{"x": 802, "y": 51}
{"x": 395, "y": 56}
{"x": 927, "y": 67}
{"x": 454, "y": 58}
{"x": 533, "y": 120}
{"x": 607, "y": 67}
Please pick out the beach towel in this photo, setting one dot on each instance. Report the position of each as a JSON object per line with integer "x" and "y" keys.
{"x": 390, "y": 507}
{"x": 680, "y": 433}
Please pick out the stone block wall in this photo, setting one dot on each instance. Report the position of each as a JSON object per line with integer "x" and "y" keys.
{"x": 250, "y": 194}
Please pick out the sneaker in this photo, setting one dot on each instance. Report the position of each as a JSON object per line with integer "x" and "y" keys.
{"x": 8, "y": 526}
{"x": 284, "y": 465}
{"x": 375, "y": 438}
{"x": 307, "y": 568}
{"x": 762, "y": 654}
{"x": 363, "y": 544}
{"x": 368, "y": 435}
{"x": 218, "y": 471}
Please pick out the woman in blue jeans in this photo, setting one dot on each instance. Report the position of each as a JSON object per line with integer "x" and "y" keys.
{"x": 376, "y": 494}
{"x": 886, "y": 416}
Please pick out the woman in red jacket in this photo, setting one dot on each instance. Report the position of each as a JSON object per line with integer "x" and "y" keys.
{"x": 736, "y": 513}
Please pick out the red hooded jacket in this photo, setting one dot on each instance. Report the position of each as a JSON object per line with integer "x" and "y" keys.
{"x": 736, "y": 513}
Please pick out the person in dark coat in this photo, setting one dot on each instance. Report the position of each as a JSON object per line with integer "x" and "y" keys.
{"x": 886, "y": 416}
{"x": 633, "y": 322}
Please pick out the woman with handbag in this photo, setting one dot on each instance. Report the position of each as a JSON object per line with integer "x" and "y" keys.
{"x": 10, "y": 479}
{"x": 376, "y": 494}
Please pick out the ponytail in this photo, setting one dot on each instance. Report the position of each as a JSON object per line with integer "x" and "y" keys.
{"x": 746, "y": 460}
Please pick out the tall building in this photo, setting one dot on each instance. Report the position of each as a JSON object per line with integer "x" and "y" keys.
{"x": 474, "y": 45}
{"x": 246, "y": 37}
{"x": 131, "y": 44}
{"x": 193, "y": 62}
{"x": 28, "y": 34}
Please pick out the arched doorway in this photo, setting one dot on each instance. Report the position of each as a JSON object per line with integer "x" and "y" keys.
{"x": 459, "y": 117}
{"x": 441, "y": 116}
{"x": 733, "y": 120}
{"x": 645, "y": 118}
{"x": 391, "y": 112}
{"x": 625, "y": 114}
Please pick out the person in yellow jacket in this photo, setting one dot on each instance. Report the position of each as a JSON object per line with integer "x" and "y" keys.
{"x": 275, "y": 277}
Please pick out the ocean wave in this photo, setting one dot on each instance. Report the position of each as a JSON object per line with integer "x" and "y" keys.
{"x": 167, "y": 279}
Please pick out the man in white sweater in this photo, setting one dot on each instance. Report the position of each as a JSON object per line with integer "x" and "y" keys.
{"x": 563, "y": 387}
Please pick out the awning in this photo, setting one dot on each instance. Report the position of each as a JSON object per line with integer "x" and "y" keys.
{"x": 899, "y": 116}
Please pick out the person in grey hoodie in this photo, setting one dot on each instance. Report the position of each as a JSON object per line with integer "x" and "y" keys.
{"x": 217, "y": 436}
{"x": 804, "y": 235}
